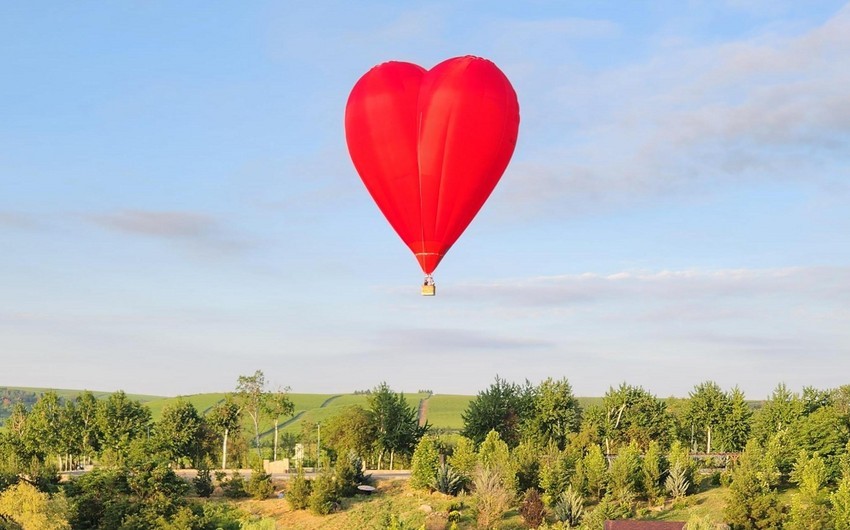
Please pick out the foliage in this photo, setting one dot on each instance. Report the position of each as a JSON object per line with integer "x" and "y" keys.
{"x": 677, "y": 483}
{"x": 555, "y": 413}
{"x": 527, "y": 462}
{"x": 464, "y": 459}
{"x": 633, "y": 415}
{"x": 251, "y": 396}
{"x": 234, "y": 487}
{"x": 349, "y": 430}
{"x": 349, "y": 474}
{"x": 203, "y": 483}
{"x": 708, "y": 408}
{"x": 569, "y": 507}
{"x": 679, "y": 457}
{"x": 298, "y": 492}
{"x": 596, "y": 470}
{"x": 556, "y": 471}
{"x": 394, "y": 422}
{"x": 840, "y": 504}
{"x": 625, "y": 476}
{"x": 120, "y": 422}
{"x": 753, "y": 502}
{"x": 531, "y": 508}
{"x": 224, "y": 419}
{"x": 495, "y": 456}
{"x": 259, "y": 485}
{"x": 499, "y": 408}
{"x": 426, "y": 461}
{"x": 809, "y": 507}
{"x": 33, "y": 509}
{"x": 178, "y": 432}
{"x": 324, "y": 496}
{"x": 447, "y": 481}
{"x": 492, "y": 497}
{"x": 652, "y": 470}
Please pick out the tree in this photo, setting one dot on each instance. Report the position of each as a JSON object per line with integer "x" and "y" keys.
{"x": 625, "y": 476}
{"x": 224, "y": 418}
{"x": 394, "y": 422}
{"x": 424, "y": 465}
{"x": 499, "y": 408}
{"x": 809, "y": 507}
{"x": 493, "y": 497}
{"x": 350, "y": 430}
{"x": 652, "y": 469}
{"x": 178, "y": 432}
{"x": 753, "y": 502}
{"x": 840, "y": 504}
{"x": 42, "y": 431}
{"x": 34, "y": 510}
{"x": 708, "y": 407}
{"x": 780, "y": 410}
{"x": 464, "y": 459}
{"x": 278, "y": 404}
{"x": 633, "y": 414}
{"x": 120, "y": 421}
{"x": 556, "y": 413}
{"x": 494, "y": 456}
{"x": 736, "y": 430}
{"x": 596, "y": 470}
{"x": 250, "y": 394}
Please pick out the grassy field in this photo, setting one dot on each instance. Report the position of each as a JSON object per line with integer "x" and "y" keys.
{"x": 444, "y": 411}
{"x": 65, "y": 393}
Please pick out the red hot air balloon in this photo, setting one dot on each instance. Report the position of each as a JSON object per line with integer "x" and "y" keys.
{"x": 430, "y": 146}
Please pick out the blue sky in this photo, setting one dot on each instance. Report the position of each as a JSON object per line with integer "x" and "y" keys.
{"x": 177, "y": 205}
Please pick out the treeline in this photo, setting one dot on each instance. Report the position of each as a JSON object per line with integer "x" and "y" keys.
{"x": 527, "y": 447}
{"x": 533, "y": 448}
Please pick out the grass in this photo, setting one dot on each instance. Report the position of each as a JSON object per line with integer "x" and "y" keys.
{"x": 444, "y": 411}
{"x": 66, "y": 394}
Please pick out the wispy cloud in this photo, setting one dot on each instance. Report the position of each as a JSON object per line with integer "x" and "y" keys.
{"x": 769, "y": 107}
{"x": 194, "y": 230}
{"x": 17, "y": 220}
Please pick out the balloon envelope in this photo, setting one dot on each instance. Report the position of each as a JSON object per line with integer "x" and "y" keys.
{"x": 430, "y": 145}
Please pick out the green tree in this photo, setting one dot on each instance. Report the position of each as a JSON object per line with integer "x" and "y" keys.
{"x": 251, "y": 396}
{"x": 753, "y": 502}
{"x": 350, "y": 430}
{"x": 495, "y": 456}
{"x": 708, "y": 408}
{"x": 824, "y": 431}
{"x": 499, "y": 408}
{"x": 555, "y": 414}
{"x": 120, "y": 421}
{"x": 278, "y": 404}
{"x": 633, "y": 414}
{"x": 426, "y": 461}
{"x": 839, "y": 502}
{"x": 652, "y": 470}
{"x": 224, "y": 419}
{"x": 557, "y": 468}
{"x": 781, "y": 409}
{"x": 596, "y": 470}
{"x": 736, "y": 429}
{"x": 394, "y": 422}
{"x": 34, "y": 510}
{"x": 464, "y": 459}
{"x": 809, "y": 507}
{"x": 625, "y": 476}
{"x": 178, "y": 431}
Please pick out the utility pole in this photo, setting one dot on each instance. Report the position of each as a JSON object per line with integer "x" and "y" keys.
{"x": 318, "y": 445}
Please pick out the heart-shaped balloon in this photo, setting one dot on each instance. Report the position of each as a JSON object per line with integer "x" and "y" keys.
{"x": 430, "y": 145}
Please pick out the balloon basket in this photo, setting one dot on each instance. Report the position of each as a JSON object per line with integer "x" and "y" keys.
{"x": 429, "y": 290}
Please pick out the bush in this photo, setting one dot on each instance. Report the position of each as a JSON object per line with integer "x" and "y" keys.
{"x": 325, "y": 495}
{"x": 531, "y": 509}
{"x": 203, "y": 483}
{"x": 447, "y": 481}
{"x": 493, "y": 497}
{"x": 234, "y": 487}
{"x": 298, "y": 493}
{"x": 260, "y": 485}
{"x": 425, "y": 463}
{"x": 569, "y": 507}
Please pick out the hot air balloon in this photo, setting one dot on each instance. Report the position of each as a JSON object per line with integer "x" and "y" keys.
{"x": 430, "y": 146}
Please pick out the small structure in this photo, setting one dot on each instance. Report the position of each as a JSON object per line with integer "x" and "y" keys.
{"x": 365, "y": 489}
{"x": 631, "y": 524}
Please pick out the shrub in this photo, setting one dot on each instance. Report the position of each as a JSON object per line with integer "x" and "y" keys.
{"x": 492, "y": 495}
{"x": 447, "y": 481}
{"x": 677, "y": 483}
{"x": 298, "y": 493}
{"x": 569, "y": 507}
{"x": 531, "y": 509}
{"x": 325, "y": 495}
{"x": 203, "y": 483}
{"x": 234, "y": 487}
{"x": 260, "y": 485}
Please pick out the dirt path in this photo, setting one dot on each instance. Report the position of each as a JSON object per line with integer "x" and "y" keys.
{"x": 423, "y": 411}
